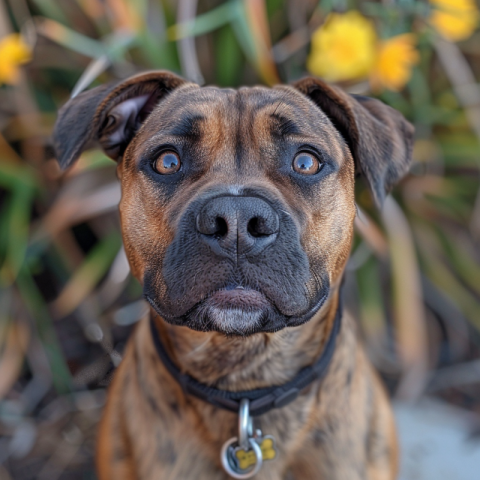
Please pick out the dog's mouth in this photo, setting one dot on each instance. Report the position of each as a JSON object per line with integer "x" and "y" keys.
{"x": 238, "y": 311}
{"x": 233, "y": 311}
{"x": 238, "y": 298}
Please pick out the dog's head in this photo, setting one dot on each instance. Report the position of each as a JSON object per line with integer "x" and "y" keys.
{"x": 237, "y": 205}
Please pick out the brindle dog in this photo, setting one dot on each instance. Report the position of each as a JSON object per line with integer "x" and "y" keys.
{"x": 237, "y": 215}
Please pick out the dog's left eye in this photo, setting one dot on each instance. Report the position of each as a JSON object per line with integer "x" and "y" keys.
{"x": 167, "y": 163}
{"x": 306, "y": 164}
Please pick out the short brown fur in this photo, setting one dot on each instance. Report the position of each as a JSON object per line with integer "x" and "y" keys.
{"x": 338, "y": 428}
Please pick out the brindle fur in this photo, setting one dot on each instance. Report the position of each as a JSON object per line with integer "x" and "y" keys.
{"x": 338, "y": 428}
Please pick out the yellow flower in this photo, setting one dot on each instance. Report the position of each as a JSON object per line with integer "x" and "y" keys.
{"x": 454, "y": 19}
{"x": 395, "y": 59}
{"x": 13, "y": 52}
{"x": 346, "y": 47}
{"x": 343, "y": 48}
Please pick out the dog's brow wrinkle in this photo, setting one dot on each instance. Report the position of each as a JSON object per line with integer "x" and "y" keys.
{"x": 187, "y": 125}
{"x": 281, "y": 101}
{"x": 284, "y": 126}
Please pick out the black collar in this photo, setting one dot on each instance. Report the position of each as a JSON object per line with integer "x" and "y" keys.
{"x": 262, "y": 400}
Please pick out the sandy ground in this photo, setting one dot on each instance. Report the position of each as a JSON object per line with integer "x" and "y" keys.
{"x": 438, "y": 442}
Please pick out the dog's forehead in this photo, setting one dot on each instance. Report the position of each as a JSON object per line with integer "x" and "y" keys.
{"x": 251, "y": 115}
{"x": 238, "y": 107}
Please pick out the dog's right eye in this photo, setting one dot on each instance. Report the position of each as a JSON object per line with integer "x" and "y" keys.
{"x": 306, "y": 164}
{"x": 167, "y": 163}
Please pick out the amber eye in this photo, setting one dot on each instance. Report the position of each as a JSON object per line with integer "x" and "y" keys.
{"x": 167, "y": 163}
{"x": 306, "y": 164}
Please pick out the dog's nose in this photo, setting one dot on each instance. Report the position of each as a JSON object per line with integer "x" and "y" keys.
{"x": 237, "y": 225}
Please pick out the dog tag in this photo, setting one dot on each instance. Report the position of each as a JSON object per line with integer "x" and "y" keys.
{"x": 242, "y": 464}
{"x": 231, "y": 462}
{"x": 242, "y": 457}
{"x": 245, "y": 459}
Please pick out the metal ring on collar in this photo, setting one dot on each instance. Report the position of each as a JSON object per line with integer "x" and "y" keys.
{"x": 245, "y": 428}
{"x": 228, "y": 467}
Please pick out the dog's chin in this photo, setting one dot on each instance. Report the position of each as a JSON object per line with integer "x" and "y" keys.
{"x": 230, "y": 321}
{"x": 235, "y": 311}
{"x": 239, "y": 312}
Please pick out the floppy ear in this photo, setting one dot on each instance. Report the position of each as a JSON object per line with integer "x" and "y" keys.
{"x": 379, "y": 137}
{"x": 109, "y": 115}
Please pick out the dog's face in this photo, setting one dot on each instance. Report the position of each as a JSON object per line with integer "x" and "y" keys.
{"x": 237, "y": 206}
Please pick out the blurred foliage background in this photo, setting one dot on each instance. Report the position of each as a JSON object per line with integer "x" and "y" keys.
{"x": 67, "y": 300}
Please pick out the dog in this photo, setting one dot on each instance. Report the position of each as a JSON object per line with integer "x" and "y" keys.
{"x": 237, "y": 216}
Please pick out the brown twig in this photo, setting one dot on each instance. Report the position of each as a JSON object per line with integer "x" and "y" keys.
{"x": 467, "y": 92}
{"x": 186, "y": 11}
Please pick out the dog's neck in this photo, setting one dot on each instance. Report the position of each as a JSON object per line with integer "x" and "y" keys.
{"x": 244, "y": 363}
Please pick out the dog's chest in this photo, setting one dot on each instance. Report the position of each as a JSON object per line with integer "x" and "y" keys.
{"x": 191, "y": 440}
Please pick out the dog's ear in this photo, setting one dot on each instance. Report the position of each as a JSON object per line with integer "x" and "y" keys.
{"x": 379, "y": 137}
{"x": 109, "y": 115}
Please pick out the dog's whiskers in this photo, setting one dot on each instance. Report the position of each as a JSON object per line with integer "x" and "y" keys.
{"x": 198, "y": 348}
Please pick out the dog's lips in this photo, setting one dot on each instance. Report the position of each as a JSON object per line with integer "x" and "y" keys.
{"x": 238, "y": 298}
{"x": 238, "y": 311}
{"x": 234, "y": 311}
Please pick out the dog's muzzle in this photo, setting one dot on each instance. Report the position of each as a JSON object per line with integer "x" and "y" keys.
{"x": 236, "y": 265}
